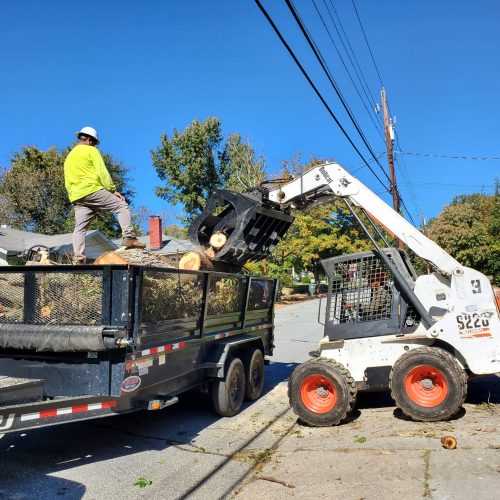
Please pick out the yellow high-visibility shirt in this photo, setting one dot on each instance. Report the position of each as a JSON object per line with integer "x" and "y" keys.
{"x": 85, "y": 172}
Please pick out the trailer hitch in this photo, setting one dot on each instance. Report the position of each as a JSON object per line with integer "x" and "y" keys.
{"x": 239, "y": 227}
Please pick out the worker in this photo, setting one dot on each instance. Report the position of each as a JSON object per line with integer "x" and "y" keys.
{"x": 91, "y": 189}
{"x": 379, "y": 306}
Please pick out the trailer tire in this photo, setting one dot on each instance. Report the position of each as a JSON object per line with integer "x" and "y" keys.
{"x": 322, "y": 392}
{"x": 428, "y": 384}
{"x": 254, "y": 375}
{"x": 228, "y": 394}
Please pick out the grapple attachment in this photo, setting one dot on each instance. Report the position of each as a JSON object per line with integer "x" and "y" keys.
{"x": 248, "y": 227}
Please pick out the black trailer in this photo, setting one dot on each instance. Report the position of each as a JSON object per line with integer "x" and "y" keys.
{"x": 82, "y": 342}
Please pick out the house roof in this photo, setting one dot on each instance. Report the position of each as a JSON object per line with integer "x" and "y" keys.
{"x": 14, "y": 241}
{"x": 169, "y": 246}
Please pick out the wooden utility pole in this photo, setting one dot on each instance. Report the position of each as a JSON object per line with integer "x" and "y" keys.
{"x": 389, "y": 139}
{"x": 390, "y": 158}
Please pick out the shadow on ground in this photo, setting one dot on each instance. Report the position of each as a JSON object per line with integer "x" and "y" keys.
{"x": 28, "y": 459}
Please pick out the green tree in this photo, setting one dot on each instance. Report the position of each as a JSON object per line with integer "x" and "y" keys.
{"x": 32, "y": 192}
{"x": 468, "y": 229}
{"x": 33, "y": 196}
{"x": 245, "y": 170}
{"x": 198, "y": 160}
{"x": 192, "y": 164}
{"x": 176, "y": 231}
{"x": 317, "y": 233}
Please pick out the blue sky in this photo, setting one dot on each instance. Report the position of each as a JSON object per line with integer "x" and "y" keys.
{"x": 136, "y": 69}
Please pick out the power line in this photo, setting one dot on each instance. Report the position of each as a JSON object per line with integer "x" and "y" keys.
{"x": 361, "y": 78}
{"x": 400, "y": 161}
{"x": 445, "y": 184}
{"x": 364, "y": 84}
{"x": 451, "y": 157}
{"x": 307, "y": 77}
{"x": 367, "y": 44}
{"x": 332, "y": 81}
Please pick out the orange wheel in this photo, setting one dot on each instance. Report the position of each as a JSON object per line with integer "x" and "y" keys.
{"x": 321, "y": 392}
{"x": 318, "y": 394}
{"x": 426, "y": 386}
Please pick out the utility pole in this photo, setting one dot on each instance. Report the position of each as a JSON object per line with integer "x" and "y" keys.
{"x": 424, "y": 230}
{"x": 389, "y": 139}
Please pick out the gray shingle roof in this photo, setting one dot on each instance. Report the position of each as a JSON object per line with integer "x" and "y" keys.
{"x": 15, "y": 241}
{"x": 170, "y": 246}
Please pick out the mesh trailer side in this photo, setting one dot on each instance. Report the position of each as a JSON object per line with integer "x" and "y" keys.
{"x": 168, "y": 295}
{"x": 12, "y": 298}
{"x": 63, "y": 308}
{"x": 70, "y": 298}
{"x": 225, "y": 294}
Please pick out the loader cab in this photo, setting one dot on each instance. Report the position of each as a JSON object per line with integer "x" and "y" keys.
{"x": 364, "y": 300}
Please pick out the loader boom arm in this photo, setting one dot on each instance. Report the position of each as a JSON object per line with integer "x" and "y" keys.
{"x": 328, "y": 181}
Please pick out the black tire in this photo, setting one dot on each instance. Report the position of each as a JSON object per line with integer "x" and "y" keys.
{"x": 254, "y": 375}
{"x": 228, "y": 394}
{"x": 428, "y": 384}
{"x": 321, "y": 392}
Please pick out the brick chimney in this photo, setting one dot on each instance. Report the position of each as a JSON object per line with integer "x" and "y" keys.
{"x": 155, "y": 235}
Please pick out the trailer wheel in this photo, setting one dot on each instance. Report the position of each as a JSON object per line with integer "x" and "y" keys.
{"x": 228, "y": 394}
{"x": 254, "y": 375}
{"x": 321, "y": 392}
{"x": 428, "y": 384}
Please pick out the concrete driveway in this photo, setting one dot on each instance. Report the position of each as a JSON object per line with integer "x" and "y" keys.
{"x": 186, "y": 451}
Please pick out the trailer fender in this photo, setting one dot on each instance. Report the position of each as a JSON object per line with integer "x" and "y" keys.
{"x": 220, "y": 351}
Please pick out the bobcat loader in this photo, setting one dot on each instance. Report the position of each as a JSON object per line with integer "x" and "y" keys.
{"x": 422, "y": 337}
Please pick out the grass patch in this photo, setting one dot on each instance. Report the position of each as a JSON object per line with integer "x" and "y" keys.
{"x": 142, "y": 482}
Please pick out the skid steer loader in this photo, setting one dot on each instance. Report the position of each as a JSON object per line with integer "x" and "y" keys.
{"x": 422, "y": 337}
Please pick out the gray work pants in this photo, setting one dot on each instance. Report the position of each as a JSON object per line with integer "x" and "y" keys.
{"x": 88, "y": 206}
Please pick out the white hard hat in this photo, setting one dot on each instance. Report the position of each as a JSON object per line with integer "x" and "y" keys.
{"x": 90, "y": 131}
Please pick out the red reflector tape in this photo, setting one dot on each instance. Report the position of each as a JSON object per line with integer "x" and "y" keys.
{"x": 56, "y": 412}
{"x": 163, "y": 348}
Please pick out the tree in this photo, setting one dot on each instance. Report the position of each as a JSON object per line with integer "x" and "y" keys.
{"x": 468, "y": 229}
{"x": 33, "y": 196}
{"x": 192, "y": 164}
{"x": 195, "y": 162}
{"x": 245, "y": 169}
{"x": 176, "y": 231}
{"x": 317, "y": 233}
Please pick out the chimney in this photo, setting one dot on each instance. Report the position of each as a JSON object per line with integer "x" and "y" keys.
{"x": 155, "y": 236}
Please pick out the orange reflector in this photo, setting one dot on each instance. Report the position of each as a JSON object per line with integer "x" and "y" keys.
{"x": 155, "y": 405}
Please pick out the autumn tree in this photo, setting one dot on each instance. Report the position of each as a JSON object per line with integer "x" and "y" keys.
{"x": 198, "y": 160}
{"x": 33, "y": 196}
{"x": 317, "y": 233}
{"x": 469, "y": 230}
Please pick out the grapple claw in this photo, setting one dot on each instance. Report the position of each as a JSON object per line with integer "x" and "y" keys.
{"x": 252, "y": 226}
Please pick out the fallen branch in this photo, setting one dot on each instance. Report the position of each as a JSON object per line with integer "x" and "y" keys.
{"x": 274, "y": 480}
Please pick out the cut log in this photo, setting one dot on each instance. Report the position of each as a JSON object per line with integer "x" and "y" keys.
{"x": 190, "y": 261}
{"x": 135, "y": 256}
{"x": 109, "y": 258}
{"x": 218, "y": 240}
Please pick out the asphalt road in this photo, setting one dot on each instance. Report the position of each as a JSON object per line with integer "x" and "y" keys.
{"x": 186, "y": 451}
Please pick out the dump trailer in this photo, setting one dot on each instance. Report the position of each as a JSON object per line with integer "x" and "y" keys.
{"x": 82, "y": 342}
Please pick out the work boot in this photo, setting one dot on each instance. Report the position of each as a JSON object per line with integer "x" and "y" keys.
{"x": 132, "y": 243}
